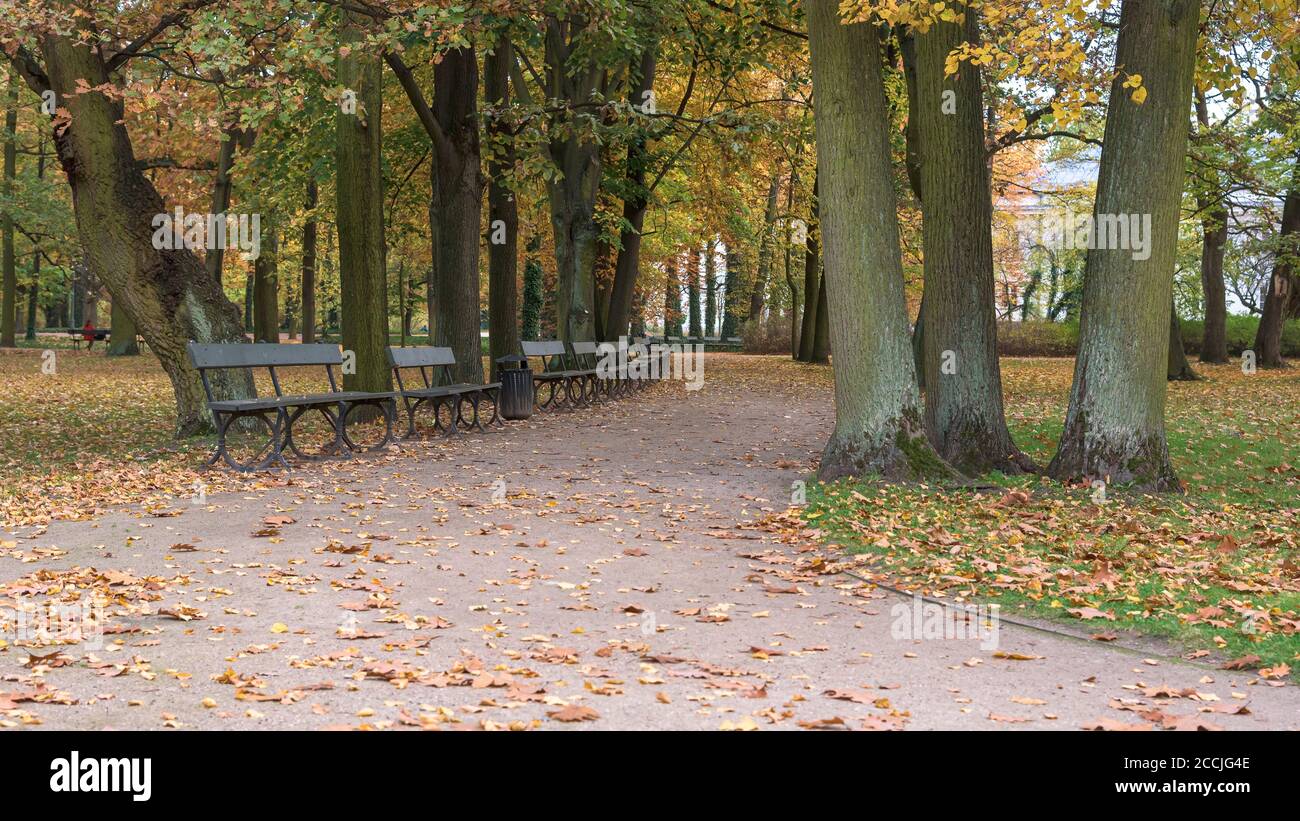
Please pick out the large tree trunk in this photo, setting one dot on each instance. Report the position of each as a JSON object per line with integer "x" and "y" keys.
{"x": 1214, "y": 238}
{"x": 1282, "y": 292}
{"x": 459, "y": 198}
{"x": 628, "y": 265}
{"x": 309, "y": 230}
{"x": 8, "y": 263}
{"x": 503, "y": 215}
{"x": 758, "y": 293}
{"x": 167, "y": 293}
{"x": 266, "y": 290}
{"x": 963, "y": 381}
{"x": 878, "y": 416}
{"x": 1178, "y": 367}
{"x": 812, "y": 285}
{"x": 122, "y": 342}
{"x": 1114, "y": 429}
{"x": 360, "y": 208}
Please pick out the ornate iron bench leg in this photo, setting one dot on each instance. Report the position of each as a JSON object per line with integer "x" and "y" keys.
{"x": 495, "y": 395}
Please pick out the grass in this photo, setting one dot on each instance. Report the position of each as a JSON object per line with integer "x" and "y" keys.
{"x": 1213, "y": 570}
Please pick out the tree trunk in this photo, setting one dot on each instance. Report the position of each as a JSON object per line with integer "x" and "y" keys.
{"x": 812, "y": 286}
{"x": 732, "y": 293}
{"x": 214, "y": 258}
{"x": 459, "y": 198}
{"x": 963, "y": 395}
{"x": 878, "y": 416}
{"x": 1214, "y": 237}
{"x": 266, "y": 290}
{"x": 166, "y": 292}
{"x": 673, "y": 298}
{"x": 360, "y": 208}
{"x": 710, "y": 288}
{"x": 627, "y": 267}
{"x": 694, "y": 273}
{"x": 1282, "y": 292}
{"x": 1114, "y": 429}
{"x": 8, "y": 263}
{"x": 789, "y": 261}
{"x": 758, "y": 294}
{"x": 503, "y": 215}
{"x": 530, "y": 325}
{"x": 1179, "y": 368}
{"x": 122, "y": 342}
{"x": 33, "y": 295}
{"x": 309, "y": 230}
{"x": 821, "y": 352}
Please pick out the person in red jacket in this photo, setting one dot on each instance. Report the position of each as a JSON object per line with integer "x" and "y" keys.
{"x": 88, "y": 334}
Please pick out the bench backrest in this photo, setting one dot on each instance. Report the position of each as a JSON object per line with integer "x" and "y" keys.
{"x": 427, "y": 359}
{"x": 245, "y": 356}
{"x": 585, "y": 354}
{"x": 551, "y": 352}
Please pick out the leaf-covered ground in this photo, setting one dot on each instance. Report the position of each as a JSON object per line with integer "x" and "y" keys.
{"x": 640, "y": 567}
{"x": 1214, "y": 569}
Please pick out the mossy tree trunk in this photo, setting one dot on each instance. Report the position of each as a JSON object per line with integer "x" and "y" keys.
{"x": 167, "y": 293}
{"x": 710, "y": 287}
{"x": 122, "y": 342}
{"x": 360, "y": 209}
{"x": 1114, "y": 428}
{"x": 879, "y": 428}
{"x": 530, "y": 319}
{"x": 1214, "y": 238}
{"x": 963, "y": 381}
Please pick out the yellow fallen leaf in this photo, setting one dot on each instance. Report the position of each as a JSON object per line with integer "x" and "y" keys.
{"x": 279, "y": 627}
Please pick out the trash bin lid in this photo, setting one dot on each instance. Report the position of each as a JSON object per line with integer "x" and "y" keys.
{"x": 512, "y": 359}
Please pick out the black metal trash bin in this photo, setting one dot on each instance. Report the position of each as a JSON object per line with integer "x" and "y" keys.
{"x": 516, "y": 387}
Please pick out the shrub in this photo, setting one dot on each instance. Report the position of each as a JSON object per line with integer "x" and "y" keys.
{"x": 1038, "y": 338}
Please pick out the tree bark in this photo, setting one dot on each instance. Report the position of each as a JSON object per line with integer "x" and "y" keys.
{"x": 710, "y": 287}
{"x": 812, "y": 286}
{"x": 360, "y": 208}
{"x": 503, "y": 214}
{"x": 1179, "y": 368}
{"x": 33, "y": 295}
{"x": 1282, "y": 292}
{"x": 266, "y": 290}
{"x": 309, "y": 231}
{"x": 694, "y": 273}
{"x": 758, "y": 293}
{"x": 732, "y": 293}
{"x": 122, "y": 342}
{"x": 963, "y": 381}
{"x": 1214, "y": 238}
{"x": 627, "y": 266}
{"x": 878, "y": 415}
{"x": 673, "y": 298}
{"x": 167, "y": 293}
{"x": 1114, "y": 428}
{"x": 459, "y": 204}
{"x": 530, "y": 325}
{"x": 8, "y": 263}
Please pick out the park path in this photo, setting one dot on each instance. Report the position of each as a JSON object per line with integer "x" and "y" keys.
{"x": 611, "y": 568}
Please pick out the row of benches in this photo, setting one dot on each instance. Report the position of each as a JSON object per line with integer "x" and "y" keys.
{"x": 569, "y": 375}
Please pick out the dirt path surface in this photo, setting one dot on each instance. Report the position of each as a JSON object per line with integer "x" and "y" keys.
{"x": 601, "y": 569}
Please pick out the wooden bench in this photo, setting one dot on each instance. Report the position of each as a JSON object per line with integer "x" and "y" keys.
{"x": 429, "y": 361}
{"x": 78, "y": 335}
{"x": 277, "y": 414}
{"x": 555, "y": 375}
